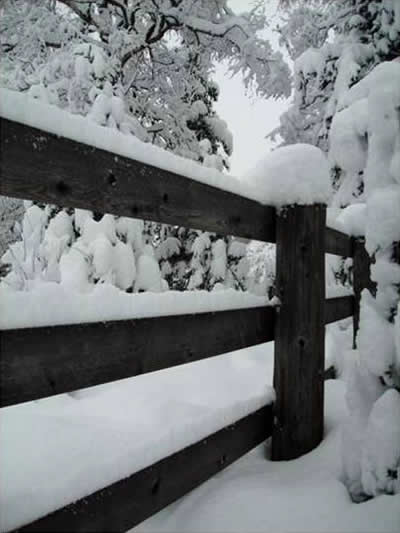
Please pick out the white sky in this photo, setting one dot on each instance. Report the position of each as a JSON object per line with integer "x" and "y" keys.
{"x": 248, "y": 119}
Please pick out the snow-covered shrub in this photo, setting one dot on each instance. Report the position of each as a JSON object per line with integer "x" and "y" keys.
{"x": 11, "y": 213}
{"x": 375, "y": 468}
{"x": 106, "y": 251}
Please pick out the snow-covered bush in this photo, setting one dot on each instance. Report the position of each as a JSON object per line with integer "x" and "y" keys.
{"x": 11, "y": 213}
{"x": 106, "y": 251}
{"x": 375, "y": 468}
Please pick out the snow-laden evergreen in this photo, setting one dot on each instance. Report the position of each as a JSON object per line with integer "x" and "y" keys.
{"x": 371, "y": 468}
{"x": 333, "y": 46}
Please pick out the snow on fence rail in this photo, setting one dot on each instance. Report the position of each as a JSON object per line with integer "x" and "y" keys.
{"x": 61, "y": 171}
{"x": 45, "y": 361}
{"x": 41, "y": 166}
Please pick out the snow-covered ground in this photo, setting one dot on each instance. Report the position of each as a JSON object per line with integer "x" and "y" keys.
{"x": 47, "y": 459}
{"x": 304, "y": 495}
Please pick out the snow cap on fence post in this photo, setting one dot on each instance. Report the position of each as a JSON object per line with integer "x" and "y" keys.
{"x": 295, "y": 174}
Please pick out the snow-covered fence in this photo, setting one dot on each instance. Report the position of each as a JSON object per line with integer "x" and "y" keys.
{"x": 44, "y": 361}
{"x": 40, "y": 362}
{"x": 47, "y": 168}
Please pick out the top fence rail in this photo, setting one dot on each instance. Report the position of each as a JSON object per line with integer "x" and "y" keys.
{"x": 44, "y": 167}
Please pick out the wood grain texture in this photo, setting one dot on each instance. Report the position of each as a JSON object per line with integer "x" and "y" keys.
{"x": 128, "y": 502}
{"x": 361, "y": 280}
{"x": 300, "y": 331}
{"x": 40, "y": 166}
{"x": 41, "y": 362}
{"x": 338, "y": 308}
{"x": 338, "y": 243}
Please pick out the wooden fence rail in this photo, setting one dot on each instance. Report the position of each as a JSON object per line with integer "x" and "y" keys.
{"x": 338, "y": 243}
{"x": 40, "y": 362}
{"x": 338, "y": 308}
{"x": 44, "y": 361}
{"x": 50, "y": 169}
{"x": 46, "y": 168}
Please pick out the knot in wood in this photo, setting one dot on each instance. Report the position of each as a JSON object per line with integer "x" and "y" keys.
{"x": 112, "y": 180}
{"x": 62, "y": 187}
{"x": 222, "y": 460}
{"x": 301, "y": 342}
{"x": 156, "y": 486}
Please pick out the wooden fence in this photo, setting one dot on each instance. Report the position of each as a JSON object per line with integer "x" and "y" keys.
{"x": 44, "y": 361}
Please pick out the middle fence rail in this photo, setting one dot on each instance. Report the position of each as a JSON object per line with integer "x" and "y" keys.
{"x": 44, "y": 361}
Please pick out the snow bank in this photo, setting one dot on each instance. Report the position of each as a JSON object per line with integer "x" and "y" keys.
{"x": 20, "y": 107}
{"x": 295, "y": 174}
{"x": 40, "y": 305}
{"x": 381, "y": 450}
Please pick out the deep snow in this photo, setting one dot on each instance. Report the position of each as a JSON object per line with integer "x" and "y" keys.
{"x": 47, "y": 459}
{"x": 304, "y": 495}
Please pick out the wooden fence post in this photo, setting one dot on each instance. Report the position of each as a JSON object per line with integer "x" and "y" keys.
{"x": 300, "y": 331}
{"x": 361, "y": 280}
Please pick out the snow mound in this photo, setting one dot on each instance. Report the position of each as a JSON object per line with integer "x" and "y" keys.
{"x": 353, "y": 219}
{"x": 295, "y": 174}
{"x": 381, "y": 452}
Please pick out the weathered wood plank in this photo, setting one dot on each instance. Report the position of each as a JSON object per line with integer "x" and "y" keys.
{"x": 128, "y": 502}
{"x": 300, "y": 332}
{"x": 361, "y": 280}
{"x": 40, "y": 362}
{"x": 338, "y": 243}
{"x": 338, "y": 308}
{"x": 40, "y": 166}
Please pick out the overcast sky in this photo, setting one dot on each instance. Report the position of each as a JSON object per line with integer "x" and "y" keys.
{"x": 248, "y": 119}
